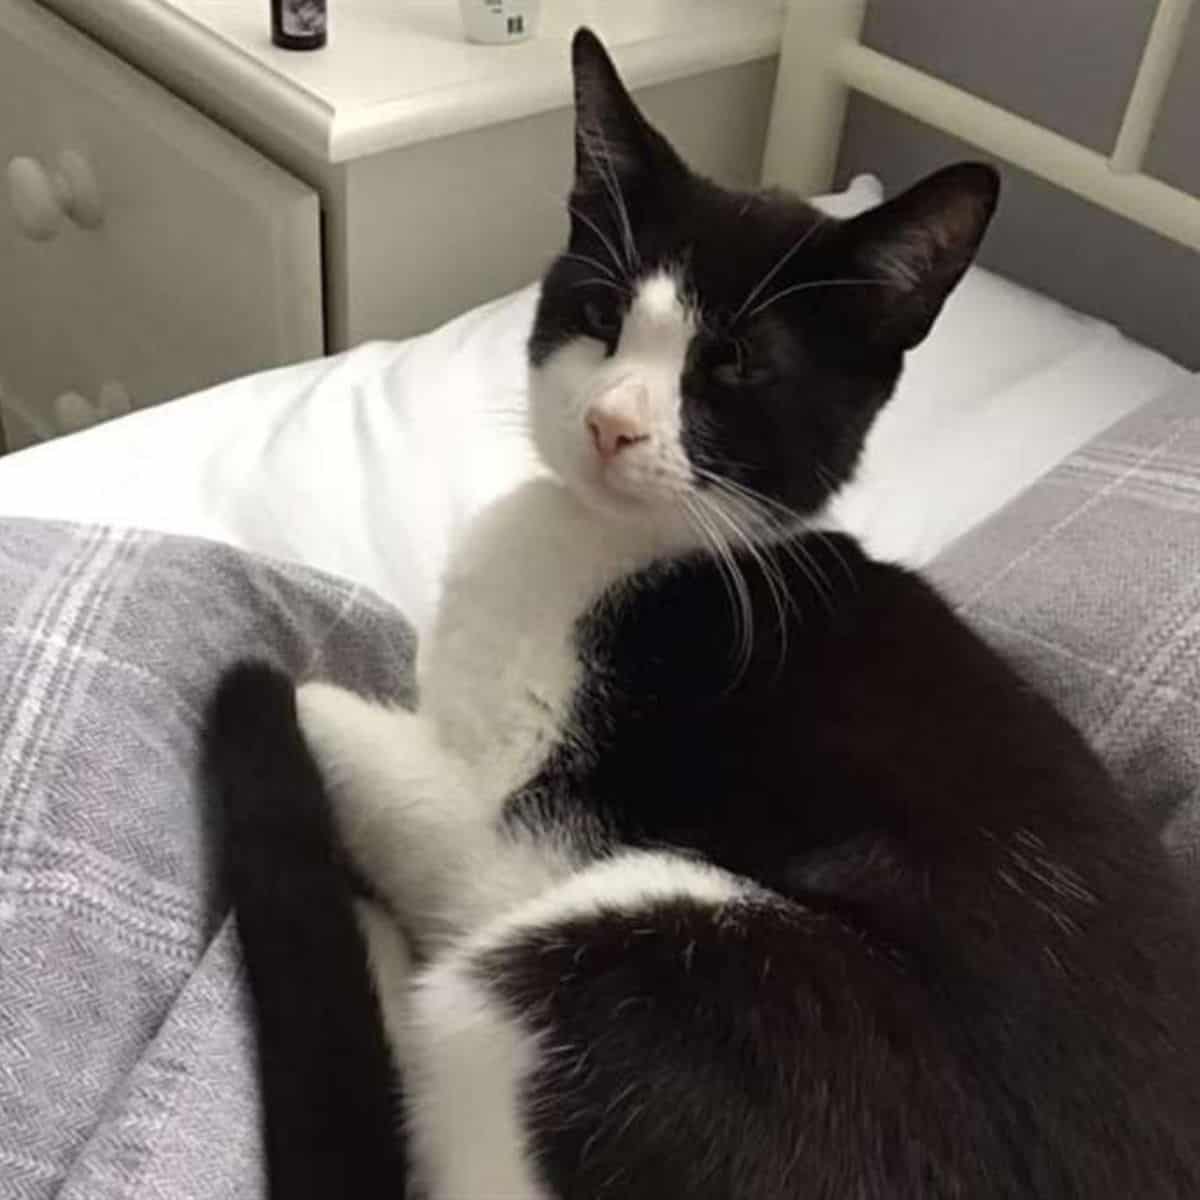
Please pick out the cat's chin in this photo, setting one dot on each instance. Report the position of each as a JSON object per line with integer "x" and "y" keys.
{"x": 661, "y": 517}
{"x": 615, "y": 503}
{"x": 656, "y": 514}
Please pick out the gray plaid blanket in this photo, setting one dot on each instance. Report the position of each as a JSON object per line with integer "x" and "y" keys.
{"x": 1090, "y": 581}
{"x": 126, "y": 1053}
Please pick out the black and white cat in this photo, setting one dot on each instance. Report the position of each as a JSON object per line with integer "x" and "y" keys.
{"x": 734, "y": 865}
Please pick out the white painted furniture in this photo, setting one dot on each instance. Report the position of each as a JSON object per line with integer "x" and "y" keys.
{"x": 144, "y": 251}
{"x": 439, "y": 168}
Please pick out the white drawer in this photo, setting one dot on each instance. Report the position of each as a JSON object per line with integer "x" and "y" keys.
{"x": 205, "y": 262}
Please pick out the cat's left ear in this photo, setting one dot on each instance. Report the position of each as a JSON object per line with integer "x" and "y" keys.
{"x": 612, "y": 138}
{"x": 917, "y": 247}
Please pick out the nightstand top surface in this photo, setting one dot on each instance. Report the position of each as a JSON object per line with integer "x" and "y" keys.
{"x": 400, "y": 71}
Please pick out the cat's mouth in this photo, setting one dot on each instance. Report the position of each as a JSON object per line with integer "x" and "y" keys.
{"x": 612, "y": 490}
{"x": 632, "y": 490}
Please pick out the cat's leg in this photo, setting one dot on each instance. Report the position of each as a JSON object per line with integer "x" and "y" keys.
{"x": 410, "y": 817}
{"x": 390, "y": 960}
{"x": 402, "y": 805}
{"x": 537, "y": 1044}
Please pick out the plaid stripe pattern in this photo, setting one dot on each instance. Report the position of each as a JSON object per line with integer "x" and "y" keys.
{"x": 126, "y": 1050}
{"x": 1090, "y": 581}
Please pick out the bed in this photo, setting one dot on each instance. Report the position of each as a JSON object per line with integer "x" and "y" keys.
{"x": 365, "y": 464}
{"x": 1041, "y": 464}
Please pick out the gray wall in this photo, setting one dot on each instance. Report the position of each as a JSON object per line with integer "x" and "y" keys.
{"x": 1069, "y": 65}
{"x": 1175, "y": 152}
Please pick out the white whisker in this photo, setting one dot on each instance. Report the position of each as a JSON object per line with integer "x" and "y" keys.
{"x": 781, "y": 526}
{"x": 775, "y": 584}
{"x": 612, "y": 185}
{"x": 785, "y": 515}
{"x": 622, "y": 271}
{"x": 780, "y": 263}
{"x": 814, "y": 284}
{"x": 832, "y": 547}
{"x": 802, "y": 556}
{"x": 595, "y": 281}
{"x": 731, "y": 576}
{"x": 588, "y": 260}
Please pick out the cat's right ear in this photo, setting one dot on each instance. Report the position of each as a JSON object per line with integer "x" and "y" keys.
{"x": 614, "y": 143}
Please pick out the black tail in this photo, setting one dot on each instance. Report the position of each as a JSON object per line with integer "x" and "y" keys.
{"x": 329, "y": 1094}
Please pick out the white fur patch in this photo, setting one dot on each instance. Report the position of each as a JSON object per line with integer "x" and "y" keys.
{"x": 416, "y": 818}
{"x": 417, "y": 795}
{"x": 658, "y": 301}
{"x": 651, "y": 354}
{"x": 466, "y": 1062}
{"x": 641, "y": 380}
{"x": 500, "y": 670}
{"x": 391, "y": 969}
{"x": 625, "y": 883}
{"x": 468, "y": 1057}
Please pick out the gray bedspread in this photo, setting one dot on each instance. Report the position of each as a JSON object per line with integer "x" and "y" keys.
{"x": 126, "y": 1054}
{"x": 1090, "y": 582}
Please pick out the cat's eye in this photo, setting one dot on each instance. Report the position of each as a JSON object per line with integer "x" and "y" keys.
{"x": 600, "y": 321}
{"x": 739, "y": 373}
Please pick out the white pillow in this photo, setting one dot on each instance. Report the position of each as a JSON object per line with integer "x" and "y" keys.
{"x": 1007, "y": 384}
{"x": 366, "y": 464}
{"x": 862, "y": 192}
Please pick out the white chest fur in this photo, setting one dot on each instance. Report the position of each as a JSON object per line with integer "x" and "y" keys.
{"x": 499, "y": 668}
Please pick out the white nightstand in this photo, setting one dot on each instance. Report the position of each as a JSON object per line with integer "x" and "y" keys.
{"x": 371, "y": 189}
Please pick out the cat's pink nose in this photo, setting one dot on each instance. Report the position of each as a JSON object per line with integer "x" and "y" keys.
{"x": 613, "y": 431}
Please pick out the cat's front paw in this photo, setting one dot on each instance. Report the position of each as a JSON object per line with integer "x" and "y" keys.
{"x": 356, "y": 741}
{"x": 332, "y": 719}
{"x": 360, "y": 750}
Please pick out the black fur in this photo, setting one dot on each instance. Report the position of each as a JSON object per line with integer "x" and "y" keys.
{"x": 973, "y": 975}
{"x": 327, "y": 1084}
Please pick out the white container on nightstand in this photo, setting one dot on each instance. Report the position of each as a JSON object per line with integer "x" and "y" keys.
{"x": 499, "y": 21}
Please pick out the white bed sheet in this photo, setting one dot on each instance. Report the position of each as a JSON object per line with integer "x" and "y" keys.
{"x": 365, "y": 464}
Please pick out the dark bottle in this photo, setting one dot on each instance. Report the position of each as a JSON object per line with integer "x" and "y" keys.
{"x": 298, "y": 24}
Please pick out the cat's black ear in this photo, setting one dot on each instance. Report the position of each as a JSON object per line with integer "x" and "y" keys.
{"x": 918, "y": 245}
{"x": 612, "y": 138}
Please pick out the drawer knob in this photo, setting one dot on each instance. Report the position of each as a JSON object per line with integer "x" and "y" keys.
{"x": 41, "y": 199}
{"x": 78, "y": 191}
{"x": 73, "y": 412}
{"x": 34, "y": 200}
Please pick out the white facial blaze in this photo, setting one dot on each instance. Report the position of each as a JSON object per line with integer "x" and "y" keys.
{"x": 658, "y": 307}
{"x": 650, "y": 356}
{"x": 578, "y": 392}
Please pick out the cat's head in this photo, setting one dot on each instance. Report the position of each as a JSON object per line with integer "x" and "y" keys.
{"x": 695, "y": 347}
